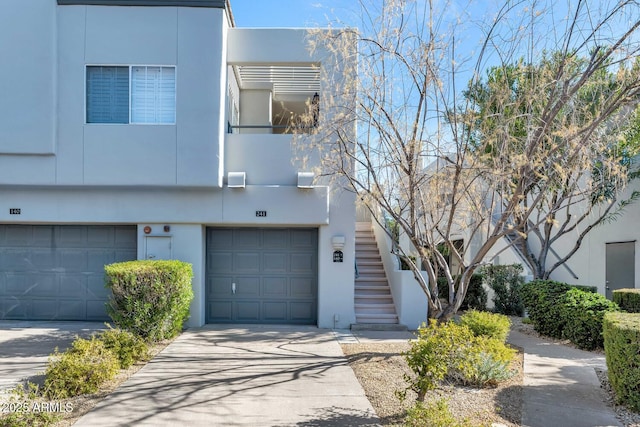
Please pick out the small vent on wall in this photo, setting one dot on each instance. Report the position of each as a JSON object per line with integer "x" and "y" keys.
{"x": 236, "y": 179}
{"x": 305, "y": 179}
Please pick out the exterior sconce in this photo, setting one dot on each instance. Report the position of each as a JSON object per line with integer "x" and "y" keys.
{"x": 236, "y": 179}
{"x": 147, "y": 229}
{"x": 305, "y": 179}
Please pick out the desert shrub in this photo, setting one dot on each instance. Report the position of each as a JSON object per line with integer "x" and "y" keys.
{"x": 127, "y": 347}
{"x": 438, "y": 349}
{"x": 582, "y": 314}
{"x": 451, "y": 350}
{"x": 506, "y": 282}
{"x": 80, "y": 370}
{"x": 476, "y": 297}
{"x": 483, "y": 323}
{"x": 433, "y": 414}
{"x": 541, "y": 299}
{"x": 150, "y": 298}
{"x": 22, "y": 402}
{"x": 627, "y": 299}
{"x": 486, "y": 362}
{"x": 622, "y": 349}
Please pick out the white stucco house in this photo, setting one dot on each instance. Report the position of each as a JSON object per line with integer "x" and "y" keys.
{"x": 156, "y": 129}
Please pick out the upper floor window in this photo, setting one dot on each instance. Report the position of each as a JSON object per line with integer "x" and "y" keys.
{"x": 131, "y": 94}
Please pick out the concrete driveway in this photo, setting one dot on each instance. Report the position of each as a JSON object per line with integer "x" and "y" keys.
{"x": 241, "y": 375}
{"x": 25, "y": 346}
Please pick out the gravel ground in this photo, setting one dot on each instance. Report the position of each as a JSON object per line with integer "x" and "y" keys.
{"x": 380, "y": 368}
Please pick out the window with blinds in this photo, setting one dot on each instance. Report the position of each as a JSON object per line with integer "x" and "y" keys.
{"x": 135, "y": 94}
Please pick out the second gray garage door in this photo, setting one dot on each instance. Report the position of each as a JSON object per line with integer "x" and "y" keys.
{"x": 262, "y": 275}
{"x": 56, "y": 272}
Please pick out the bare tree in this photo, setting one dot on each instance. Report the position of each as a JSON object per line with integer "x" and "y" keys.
{"x": 417, "y": 153}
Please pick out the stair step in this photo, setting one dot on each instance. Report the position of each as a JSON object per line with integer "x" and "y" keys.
{"x": 368, "y": 319}
{"x": 378, "y": 327}
{"x": 371, "y": 279}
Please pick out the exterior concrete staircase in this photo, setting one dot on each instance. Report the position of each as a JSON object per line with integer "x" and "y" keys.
{"x": 373, "y": 300}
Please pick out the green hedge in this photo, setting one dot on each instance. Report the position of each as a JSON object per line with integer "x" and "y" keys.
{"x": 582, "y": 313}
{"x": 622, "y": 349}
{"x": 506, "y": 282}
{"x": 476, "y": 297}
{"x": 540, "y": 298}
{"x": 627, "y": 299}
{"x": 150, "y": 298}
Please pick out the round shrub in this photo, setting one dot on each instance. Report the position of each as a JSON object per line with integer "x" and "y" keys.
{"x": 486, "y": 363}
{"x": 80, "y": 370}
{"x": 540, "y": 298}
{"x": 582, "y": 313}
{"x": 506, "y": 282}
{"x": 150, "y": 298}
{"x": 483, "y": 323}
{"x": 127, "y": 347}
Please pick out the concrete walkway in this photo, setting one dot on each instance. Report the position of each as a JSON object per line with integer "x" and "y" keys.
{"x": 234, "y": 375}
{"x": 560, "y": 385}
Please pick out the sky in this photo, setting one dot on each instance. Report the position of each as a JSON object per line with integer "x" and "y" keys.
{"x": 287, "y": 13}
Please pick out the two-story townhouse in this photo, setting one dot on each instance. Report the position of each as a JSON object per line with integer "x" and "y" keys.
{"x": 142, "y": 129}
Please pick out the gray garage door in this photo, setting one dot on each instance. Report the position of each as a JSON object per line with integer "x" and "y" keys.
{"x": 56, "y": 272}
{"x": 262, "y": 275}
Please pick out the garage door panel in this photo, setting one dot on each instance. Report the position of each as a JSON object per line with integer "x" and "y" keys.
{"x": 221, "y": 262}
{"x": 41, "y": 285}
{"x": 303, "y": 239}
{"x": 97, "y": 259}
{"x": 100, "y": 237}
{"x": 275, "y": 262}
{"x": 303, "y": 287}
{"x": 74, "y": 285}
{"x": 71, "y": 309}
{"x": 246, "y": 238}
{"x": 56, "y": 272}
{"x": 126, "y": 255}
{"x": 96, "y": 310}
{"x": 275, "y": 311}
{"x": 247, "y": 311}
{"x": 275, "y": 272}
{"x": 303, "y": 311}
{"x": 72, "y": 236}
{"x": 303, "y": 263}
{"x": 219, "y": 286}
{"x": 72, "y": 260}
{"x": 246, "y": 262}
{"x": 275, "y": 239}
{"x": 16, "y": 260}
{"x": 275, "y": 287}
{"x": 247, "y": 287}
{"x": 220, "y": 311}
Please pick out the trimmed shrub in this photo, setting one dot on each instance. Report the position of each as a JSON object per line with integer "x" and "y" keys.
{"x": 506, "y": 282}
{"x": 433, "y": 414}
{"x": 627, "y": 299}
{"x": 582, "y": 314}
{"x": 487, "y": 362}
{"x": 476, "y": 297}
{"x": 452, "y": 350}
{"x": 483, "y": 323}
{"x": 622, "y": 349}
{"x": 437, "y": 350}
{"x": 127, "y": 347}
{"x": 80, "y": 370}
{"x": 150, "y": 298}
{"x": 540, "y": 298}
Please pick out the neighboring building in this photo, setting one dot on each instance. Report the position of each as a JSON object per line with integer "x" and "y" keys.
{"x": 155, "y": 129}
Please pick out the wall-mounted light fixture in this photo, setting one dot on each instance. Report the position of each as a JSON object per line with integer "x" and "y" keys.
{"x": 146, "y": 229}
{"x": 338, "y": 242}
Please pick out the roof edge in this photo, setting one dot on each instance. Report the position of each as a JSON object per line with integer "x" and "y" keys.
{"x": 219, "y": 4}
